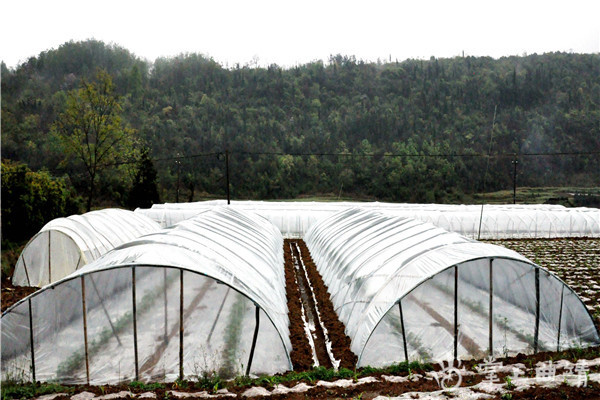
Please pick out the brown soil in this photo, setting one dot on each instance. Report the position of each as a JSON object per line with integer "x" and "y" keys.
{"x": 301, "y": 354}
{"x": 340, "y": 342}
{"x": 367, "y": 391}
{"x": 530, "y": 360}
{"x": 589, "y": 392}
{"x": 12, "y": 294}
{"x": 310, "y": 309}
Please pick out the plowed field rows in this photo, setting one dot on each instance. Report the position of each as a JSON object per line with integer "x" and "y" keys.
{"x": 576, "y": 261}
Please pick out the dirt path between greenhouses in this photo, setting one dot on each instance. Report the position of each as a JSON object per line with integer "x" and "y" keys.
{"x": 329, "y": 339}
{"x": 308, "y": 338}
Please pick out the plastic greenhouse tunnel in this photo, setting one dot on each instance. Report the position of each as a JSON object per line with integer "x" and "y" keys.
{"x": 491, "y": 221}
{"x": 206, "y": 295}
{"x": 64, "y": 245}
{"x": 408, "y": 290}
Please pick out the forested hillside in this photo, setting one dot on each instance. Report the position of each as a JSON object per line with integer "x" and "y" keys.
{"x": 416, "y": 130}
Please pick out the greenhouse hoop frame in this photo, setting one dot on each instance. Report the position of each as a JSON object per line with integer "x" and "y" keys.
{"x": 491, "y": 347}
{"x": 181, "y": 332}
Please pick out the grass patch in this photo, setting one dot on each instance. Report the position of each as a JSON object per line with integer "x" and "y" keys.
{"x": 19, "y": 390}
{"x": 329, "y": 374}
{"x": 145, "y": 387}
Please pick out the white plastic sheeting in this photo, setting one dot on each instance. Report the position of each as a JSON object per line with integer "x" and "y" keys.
{"x": 409, "y": 290}
{"x": 205, "y": 295}
{"x": 495, "y": 222}
{"x": 64, "y": 245}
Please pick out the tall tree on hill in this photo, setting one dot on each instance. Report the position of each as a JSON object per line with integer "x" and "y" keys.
{"x": 91, "y": 130}
{"x": 144, "y": 192}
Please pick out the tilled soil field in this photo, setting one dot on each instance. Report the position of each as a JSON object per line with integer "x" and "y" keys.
{"x": 575, "y": 260}
{"x": 12, "y": 294}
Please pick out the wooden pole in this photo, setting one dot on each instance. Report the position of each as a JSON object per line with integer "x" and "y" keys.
{"x": 537, "y": 310}
{"x": 135, "y": 341}
{"x": 253, "y": 341}
{"x": 227, "y": 174}
{"x": 49, "y": 258}
{"x": 562, "y": 293}
{"x": 491, "y": 319}
{"x": 515, "y": 162}
{"x": 166, "y": 338}
{"x": 31, "y": 341}
{"x": 26, "y": 272}
{"x": 85, "y": 335}
{"x": 455, "y": 313}
{"x": 403, "y": 331}
{"x": 180, "y": 324}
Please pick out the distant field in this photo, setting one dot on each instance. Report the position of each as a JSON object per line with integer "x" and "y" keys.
{"x": 567, "y": 196}
{"x": 575, "y": 261}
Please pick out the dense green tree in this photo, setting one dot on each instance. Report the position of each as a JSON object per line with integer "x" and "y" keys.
{"x": 144, "y": 191}
{"x": 31, "y": 199}
{"x": 91, "y": 130}
{"x": 387, "y": 119}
